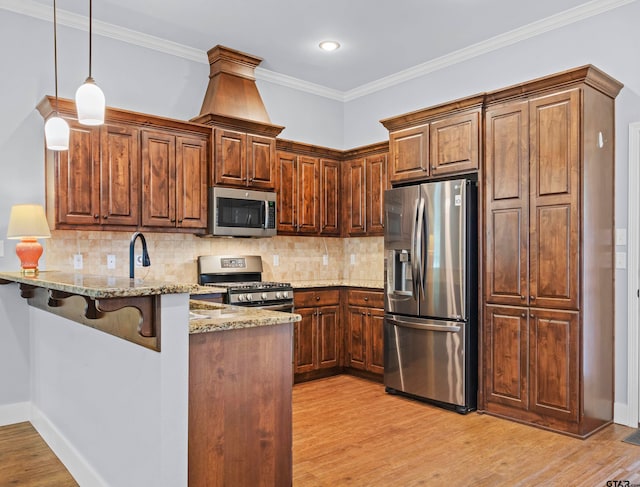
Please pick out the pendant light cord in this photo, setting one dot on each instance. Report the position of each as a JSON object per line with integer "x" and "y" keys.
{"x": 90, "y": 33}
{"x": 55, "y": 51}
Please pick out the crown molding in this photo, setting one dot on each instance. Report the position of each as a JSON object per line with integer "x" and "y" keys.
{"x": 590, "y": 9}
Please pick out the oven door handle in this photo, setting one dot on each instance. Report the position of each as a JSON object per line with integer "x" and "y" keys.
{"x": 284, "y": 307}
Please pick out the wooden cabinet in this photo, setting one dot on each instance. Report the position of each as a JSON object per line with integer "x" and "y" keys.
{"x": 436, "y": 141}
{"x": 365, "y": 331}
{"x": 330, "y": 190}
{"x": 243, "y": 160}
{"x": 308, "y": 195}
{"x": 96, "y": 180}
{"x": 548, "y": 239}
{"x": 135, "y": 171}
{"x": 364, "y": 183}
{"x": 317, "y": 338}
{"x": 174, "y": 180}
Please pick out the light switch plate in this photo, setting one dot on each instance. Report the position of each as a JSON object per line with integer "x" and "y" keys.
{"x": 621, "y": 236}
{"x": 621, "y": 260}
{"x": 325, "y": 259}
{"x": 111, "y": 261}
{"x": 276, "y": 260}
{"x": 77, "y": 261}
{"x": 353, "y": 259}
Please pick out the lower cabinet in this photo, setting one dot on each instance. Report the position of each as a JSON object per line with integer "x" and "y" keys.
{"x": 342, "y": 329}
{"x": 532, "y": 370}
{"x": 317, "y": 337}
{"x": 365, "y": 331}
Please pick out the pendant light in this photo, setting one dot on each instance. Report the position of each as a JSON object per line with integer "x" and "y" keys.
{"x": 56, "y": 129}
{"x": 90, "y": 102}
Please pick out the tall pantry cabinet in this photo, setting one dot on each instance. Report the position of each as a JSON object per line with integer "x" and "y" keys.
{"x": 547, "y": 348}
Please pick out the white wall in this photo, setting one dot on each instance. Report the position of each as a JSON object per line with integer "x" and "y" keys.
{"x": 609, "y": 41}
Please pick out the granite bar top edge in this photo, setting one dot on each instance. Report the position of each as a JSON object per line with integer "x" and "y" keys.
{"x": 206, "y": 317}
{"x": 97, "y": 286}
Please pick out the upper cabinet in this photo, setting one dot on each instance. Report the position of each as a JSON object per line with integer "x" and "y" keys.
{"x": 244, "y": 160}
{"x": 135, "y": 171}
{"x": 364, "y": 183}
{"x": 436, "y": 141}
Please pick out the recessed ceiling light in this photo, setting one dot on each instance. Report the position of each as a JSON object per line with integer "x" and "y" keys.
{"x": 329, "y": 45}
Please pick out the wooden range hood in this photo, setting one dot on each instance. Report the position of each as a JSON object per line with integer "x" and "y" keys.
{"x": 232, "y": 98}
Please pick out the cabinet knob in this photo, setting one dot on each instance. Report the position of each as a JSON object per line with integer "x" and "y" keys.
{"x": 363, "y": 313}
{"x": 105, "y": 217}
{"x": 523, "y": 297}
{"x": 180, "y": 221}
{"x": 173, "y": 220}
{"x": 317, "y": 298}
{"x": 531, "y": 315}
{"x": 524, "y": 315}
{"x": 250, "y": 180}
{"x": 532, "y": 298}
{"x": 96, "y": 216}
{"x": 366, "y": 298}
{"x": 319, "y": 313}
{"x": 424, "y": 169}
{"x": 433, "y": 168}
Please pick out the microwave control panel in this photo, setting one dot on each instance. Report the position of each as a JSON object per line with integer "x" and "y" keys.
{"x": 271, "y": 214}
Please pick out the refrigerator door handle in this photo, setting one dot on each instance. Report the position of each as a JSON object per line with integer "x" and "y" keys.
{"x": 422, "y": 326}
{"x": 419, "y": 251}
{"x": 414, "y": 253}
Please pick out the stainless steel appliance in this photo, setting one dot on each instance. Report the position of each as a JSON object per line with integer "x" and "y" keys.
{"x": 242, "y": 277}
{"x": 238, "y": 212}
{"x": 431, "y": 330}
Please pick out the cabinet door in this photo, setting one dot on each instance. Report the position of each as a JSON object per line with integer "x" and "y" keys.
{"x": 505, "y": 350}
{"x": 506, "y": 204}
{"x": 309, "y": 195}
{"x": 230, "y": 165}
{"x": 356, "y": 337}
{"x": 553, "y": 363}
{"x": 455, "y": 144}
{"x": 409, "y": 154}
{"x": 376, "y": 184}
{"x": 261, "y": 156}
{"x": 287, "y": 192}
{"x": 191, "y": 182}
{"x": 78, "y": 177}
{"x": 355, "y": 189}
{"x": 304, "y": 341}
{"x": 158, "y": 179}
{"x": 120, "y": 175}
{"x": 375, "y": 341}
{"x": 330, "y": 197}
{"x": 555, "y": 195}
{"x": 328, "y": 337}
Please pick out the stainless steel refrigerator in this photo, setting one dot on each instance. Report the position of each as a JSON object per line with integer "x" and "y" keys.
{"x": 431, "y": 329}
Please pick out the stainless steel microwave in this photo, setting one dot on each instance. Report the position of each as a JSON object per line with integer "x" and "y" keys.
{"x": 238, "y": 212}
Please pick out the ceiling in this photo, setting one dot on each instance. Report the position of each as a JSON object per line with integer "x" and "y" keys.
{"x": 379, "y": 38}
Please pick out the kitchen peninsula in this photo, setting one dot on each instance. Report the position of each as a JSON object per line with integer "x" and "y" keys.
{"x": 117, "y": 412}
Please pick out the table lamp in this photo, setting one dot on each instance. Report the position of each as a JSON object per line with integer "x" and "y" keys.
{"x": 27, "y": 223}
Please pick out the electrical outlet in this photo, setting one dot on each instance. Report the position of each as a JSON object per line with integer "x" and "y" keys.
{"x": 111, "y": 261}
{"x": 276, "y": 260}
{"x": 353, "y": 259}
{"x": 77, "y": 262}
{"x": 138, "y": 260}
{"x": 621, "y": 260}
{"x": 325, "y": 259}
{"x": 621, "y": 236}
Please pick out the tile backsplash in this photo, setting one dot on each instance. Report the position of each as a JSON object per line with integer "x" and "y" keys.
{"x": 173, "y": 256}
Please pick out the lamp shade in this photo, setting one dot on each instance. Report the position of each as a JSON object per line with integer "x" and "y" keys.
{"x": 90, "y": 103}
{"x": 28, "y": 221}
{"x": 56, "y": 132}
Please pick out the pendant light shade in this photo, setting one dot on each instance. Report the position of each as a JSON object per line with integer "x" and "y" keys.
{"x": 90, "y": 103}
{"x": 56, "y": 132}
{"x": 56, "y": 129}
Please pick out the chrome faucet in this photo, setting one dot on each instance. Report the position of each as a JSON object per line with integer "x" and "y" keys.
{"x": 145, "y": 255}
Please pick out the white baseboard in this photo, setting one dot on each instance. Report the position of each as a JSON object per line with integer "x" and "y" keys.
{"x": 18, "y": 412}
{"x": 75, "y": 463}
{"x": 621, "y": 415}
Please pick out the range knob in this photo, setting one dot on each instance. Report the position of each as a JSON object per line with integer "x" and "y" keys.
{"x": 278, "y": 295}
{"x": 248, "y": 297}
{"x": 264, "y": 295}
{"x": 285, "y": 294}
{"x": 240, "y": 297}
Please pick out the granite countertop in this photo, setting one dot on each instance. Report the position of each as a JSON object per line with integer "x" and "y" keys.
{"x": 198, "y": 289}
{"x": 338, "y": 282}
{"x": 95, "y": 286}
{"x": 205, "y": 316}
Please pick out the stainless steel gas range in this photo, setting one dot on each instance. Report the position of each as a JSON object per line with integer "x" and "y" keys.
{"x": 241, "y": 275}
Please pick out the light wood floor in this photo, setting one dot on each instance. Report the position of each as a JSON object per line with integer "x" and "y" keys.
{"x": 348, "y": 432}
